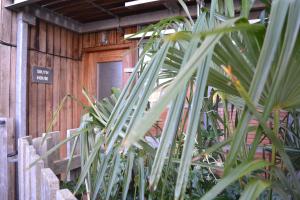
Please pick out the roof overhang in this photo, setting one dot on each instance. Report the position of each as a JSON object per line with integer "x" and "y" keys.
{"x": 34, "y": 9}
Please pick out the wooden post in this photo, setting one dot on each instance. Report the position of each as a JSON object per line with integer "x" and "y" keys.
{"x": 21, "y": 167}
{"x": 7, "y": 173}
{"x": 52, "y": 139}
{"x": 36, "y": 171}
{"x": 23, "y": 143}
{"x": 3, "y": 160}
{"x": 37, "y": 143}
{"x": 70, "y": 143}
{"x": 29, "y": 152}
{"x": 45, "y": 146}
{"x": 49, "y": 184}
{"x": 64, "y": 195}
{"x": 55, "y": 139}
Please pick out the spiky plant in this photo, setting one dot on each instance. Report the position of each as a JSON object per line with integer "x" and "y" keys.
{"x": 252, "y": 66}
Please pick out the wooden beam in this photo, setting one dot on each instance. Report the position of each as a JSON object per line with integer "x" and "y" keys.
{"x": 131, "y": 20}
{"x": 108, "y": 47}
{"x": 54, "y": 18}
{"x": 32, "y": 11}
{"x": 149, "y": 17}
{"x": 60, "y": 166}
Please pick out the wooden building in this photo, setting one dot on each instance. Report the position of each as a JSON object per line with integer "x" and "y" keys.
{"x": 69, "y": 38}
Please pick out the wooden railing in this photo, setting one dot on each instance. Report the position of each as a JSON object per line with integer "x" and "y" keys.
{"x": 40, "y": 182}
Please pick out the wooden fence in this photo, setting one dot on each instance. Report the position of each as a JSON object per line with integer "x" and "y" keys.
{"x": 7, "y": 166}
{"x": 40, "y": 182}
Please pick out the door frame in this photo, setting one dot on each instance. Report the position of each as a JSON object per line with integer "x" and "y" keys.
{"x": 127, "y": 53}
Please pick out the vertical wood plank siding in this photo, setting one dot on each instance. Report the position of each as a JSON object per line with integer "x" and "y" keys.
{"x": 53, "y": 47}
{"x": 8, "y": 24}
{"x": 8, "y": 51}
{"x": 62, "y": 50}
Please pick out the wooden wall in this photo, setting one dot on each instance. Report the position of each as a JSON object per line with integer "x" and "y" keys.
{"x": 114, "y": 37}
{"x": 8, "y": 29}
{"x": 59, "y": 49}
{"x": 53, "y": 47}
{"x": 62, "y": 50}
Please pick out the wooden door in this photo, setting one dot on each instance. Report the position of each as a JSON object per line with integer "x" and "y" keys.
{"x": 91, "y": 60}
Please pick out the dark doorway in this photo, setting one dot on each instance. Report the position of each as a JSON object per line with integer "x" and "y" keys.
{"x": 109, "y": 75}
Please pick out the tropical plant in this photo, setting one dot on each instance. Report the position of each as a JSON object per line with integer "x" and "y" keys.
{"x": 124, "y": 178}
{"x": 260, "y": 64}
{"x": 251, "y": 66}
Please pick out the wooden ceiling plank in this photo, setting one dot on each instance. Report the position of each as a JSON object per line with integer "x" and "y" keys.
{"x": 85, "y": 12}
{"x": 55, "y": 3}
{"x": 65, "y": 5}
{"x": 120, "y": 11}
{"x": 88, "y": 15}
{"x": 102, "y": 9}
{"x": 83, "y": 17}
{"x": 72, "y": 7}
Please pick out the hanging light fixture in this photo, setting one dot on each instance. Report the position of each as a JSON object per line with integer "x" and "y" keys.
{"x": 138, "y": 2}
